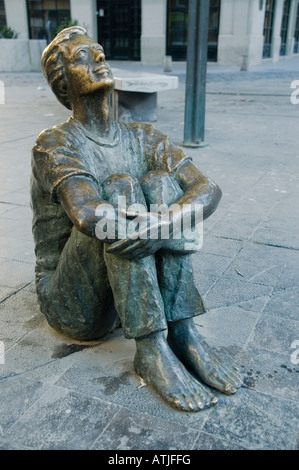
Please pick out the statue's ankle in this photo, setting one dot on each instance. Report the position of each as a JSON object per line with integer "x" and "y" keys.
{"x": 150, "y": 343}
{"x": 179, "y": 325}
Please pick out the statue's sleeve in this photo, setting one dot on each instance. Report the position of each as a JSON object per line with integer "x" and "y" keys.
{"x": 55, "y": 158}
{"x": 161, "y": 153}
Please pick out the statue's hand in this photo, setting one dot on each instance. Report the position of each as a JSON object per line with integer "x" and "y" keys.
{"x": 152, "y": 235}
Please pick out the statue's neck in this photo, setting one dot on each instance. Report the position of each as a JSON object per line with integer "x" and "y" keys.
{"x": 95, "y": 113}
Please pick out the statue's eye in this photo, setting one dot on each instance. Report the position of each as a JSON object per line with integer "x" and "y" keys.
{"x": 81, "y": 54}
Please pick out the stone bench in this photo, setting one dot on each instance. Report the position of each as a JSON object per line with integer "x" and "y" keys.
{"x": 135, "y": 94}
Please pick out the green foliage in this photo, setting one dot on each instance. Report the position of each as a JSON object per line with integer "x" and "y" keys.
{"x": 8, "y": 33}
{"x": 66, "y": 23}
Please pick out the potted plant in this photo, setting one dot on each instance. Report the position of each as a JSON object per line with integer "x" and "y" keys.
{"x": 7, "y": 33}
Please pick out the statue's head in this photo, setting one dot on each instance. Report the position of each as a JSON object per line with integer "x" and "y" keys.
{"x": 74, "y": 65}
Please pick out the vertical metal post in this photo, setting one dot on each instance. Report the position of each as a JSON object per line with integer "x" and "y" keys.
{"x": 197, "y": 49}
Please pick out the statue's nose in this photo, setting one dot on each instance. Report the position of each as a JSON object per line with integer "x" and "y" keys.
{"x": 99, "y": 56}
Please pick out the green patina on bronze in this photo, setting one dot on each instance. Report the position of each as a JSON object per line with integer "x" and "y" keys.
{"x": 87, "y": 286}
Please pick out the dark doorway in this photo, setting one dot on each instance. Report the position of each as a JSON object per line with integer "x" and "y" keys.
{"x": 177, "y": 29}
{"x": 284, "y": 26}
{"x": 2, "y": 14}
{"x": 296, "y": 32}
{"x": 268, "y": 26}
{"x": 119, "y": 28}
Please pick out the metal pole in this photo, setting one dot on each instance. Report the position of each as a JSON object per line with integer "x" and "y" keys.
{"x": 195, "y": 99}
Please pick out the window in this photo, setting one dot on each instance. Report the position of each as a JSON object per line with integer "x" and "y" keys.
{"x": 268, "y": 25}
{"x": 45, "y": 16}
{"x": 2, "y": 14}
{"x": 213, "y": 30}
{"x": 284, "y": 26}
{"x": 177, "y": 29}
{"x": 119, "y": 28}
{"x": 296, "y": 33}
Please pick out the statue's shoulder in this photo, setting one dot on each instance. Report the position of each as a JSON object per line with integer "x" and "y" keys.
{"x": 54, "y": 136}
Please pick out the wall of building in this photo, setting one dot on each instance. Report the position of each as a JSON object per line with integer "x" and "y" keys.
{"x": 240, "y": 30}
{"x": 233, "y": 31}
{"x": 153, "y": 34}
{"x": 276, "y": 39}
{"x": 21, "y": 55}
{"x": 85, "y": 13}
{"x": 16, "y": 17}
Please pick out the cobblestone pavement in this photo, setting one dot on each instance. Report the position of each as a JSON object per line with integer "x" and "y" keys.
{"x": 63, "y": 394}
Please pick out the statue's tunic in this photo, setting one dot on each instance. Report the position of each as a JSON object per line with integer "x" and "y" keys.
{"x": 73, "y": 286}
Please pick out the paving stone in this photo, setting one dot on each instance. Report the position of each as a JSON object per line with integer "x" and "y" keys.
{"x": 20, "y": 250}
{"x": 227, "y": 292}
{"x": 17, "y": 395}
{"x": 275, "y": 230}
{"x": 227, "y": 326}
{"x": 10, "y": 334}
{"x": 146, "y": 400}
{"x": 272, "y": 374}
{"x": 209, "y": 442}
{"x": 22, "y": 308}
{"x": 210, "y": 264}
{"x": 204, "y": 282}
{"x": 139, "y": 431}
{"x": 259, "y": 264}
{"x": 61, "y": 420}
{"x": 16, "y": 228}
{"x": 23, "y": 214}
{"x": 111, "y": 351}
{"x": 274, "y": 186}
{"x": 255, "y": 421}
{"x": 17, "y": 197}
{"x": 255, "y": 305}
{"x": 16, "y": 273}
{"x": 284, "y": 303}
{"x": 221, "y": 246}
{"x": 114, "y": 386}
{"x": 289, "y": 275}
{"x": 24, "y": 356}
{"x": 275, "y": 334}
{"x": 240, "y": 222}
{"x": 5, "y": 292}
{"x": 4, "y": 208}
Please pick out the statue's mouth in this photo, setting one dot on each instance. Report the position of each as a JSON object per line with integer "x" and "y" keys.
{"x": 102, "y": 69}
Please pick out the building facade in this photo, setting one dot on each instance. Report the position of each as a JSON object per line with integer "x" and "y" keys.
{"x": 148, "y": 30}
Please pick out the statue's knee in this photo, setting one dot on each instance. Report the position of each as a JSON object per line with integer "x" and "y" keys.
{"x": 160, "y": 187}
{"x": 122, "y": 185}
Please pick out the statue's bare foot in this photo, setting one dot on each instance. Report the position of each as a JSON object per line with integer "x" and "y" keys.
{"x": 158, "y": 366}
{"x": 194, "y": 352}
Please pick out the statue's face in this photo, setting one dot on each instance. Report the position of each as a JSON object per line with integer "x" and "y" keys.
{"x": 85, "y": 67}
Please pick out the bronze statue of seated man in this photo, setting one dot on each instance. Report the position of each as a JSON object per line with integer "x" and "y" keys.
{"x": 85, "y": 284}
